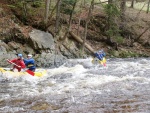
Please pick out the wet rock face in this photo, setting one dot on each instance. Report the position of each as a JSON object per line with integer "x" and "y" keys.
{"x": 40, "y": 44}
{"x": 24, "y": 39}
{"x": 49, "y": 60}
{"x": 43, "y": 43}
{"x": 40, "y": 40}
{"x": 16, "y": 39}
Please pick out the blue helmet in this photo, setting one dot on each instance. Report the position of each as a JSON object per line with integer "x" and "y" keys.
{"x": 19, "y": 55}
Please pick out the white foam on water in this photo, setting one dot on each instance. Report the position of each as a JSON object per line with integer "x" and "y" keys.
{"x": 76, "y": 70}
{"x": 78, "y": 78}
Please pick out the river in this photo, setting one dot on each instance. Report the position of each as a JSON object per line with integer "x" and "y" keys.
{"x": 78, "y": 86}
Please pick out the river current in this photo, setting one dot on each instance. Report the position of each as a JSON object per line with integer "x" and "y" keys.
{"x": 78, "y": 86}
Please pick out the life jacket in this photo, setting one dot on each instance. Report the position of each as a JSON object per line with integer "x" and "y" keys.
{"x": 18, "y": 62}
{"x": 29, "y": 63}
{"x": 100, "y": 54}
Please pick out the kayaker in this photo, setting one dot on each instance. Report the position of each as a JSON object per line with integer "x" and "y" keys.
{"x": 30, "y": 63}
{"x": 18, "y": 63}
{"x": 101, "y": 56}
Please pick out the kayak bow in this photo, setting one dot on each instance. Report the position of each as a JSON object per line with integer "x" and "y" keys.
{"x": 38, "y": 72}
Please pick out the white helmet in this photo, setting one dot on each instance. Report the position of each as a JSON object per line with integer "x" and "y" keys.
{"x": 29, "y": 55}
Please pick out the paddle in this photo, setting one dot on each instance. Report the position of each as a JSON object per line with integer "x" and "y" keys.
{"x": 28, "y": 71}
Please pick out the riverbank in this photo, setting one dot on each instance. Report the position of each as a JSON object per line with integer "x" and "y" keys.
{"x": 19, "y": 35}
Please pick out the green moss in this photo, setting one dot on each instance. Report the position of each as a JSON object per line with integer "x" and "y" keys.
{"x": 37, "y": 4}
{"x": 11, "y": 6}
{"x": 126, "y": 54}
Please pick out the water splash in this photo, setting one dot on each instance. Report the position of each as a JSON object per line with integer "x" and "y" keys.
{"x": 80, "y": 86}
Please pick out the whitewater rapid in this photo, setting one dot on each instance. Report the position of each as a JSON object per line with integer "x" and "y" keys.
{"x": 78, "y": 86}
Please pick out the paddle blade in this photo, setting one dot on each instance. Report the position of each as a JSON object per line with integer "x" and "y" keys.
{"x": 30, "y": 72}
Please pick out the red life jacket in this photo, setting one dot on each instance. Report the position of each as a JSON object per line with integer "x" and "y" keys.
{"x": 18, "y": 62}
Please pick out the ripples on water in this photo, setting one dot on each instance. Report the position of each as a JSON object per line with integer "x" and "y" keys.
{"x": 79, "y": 86}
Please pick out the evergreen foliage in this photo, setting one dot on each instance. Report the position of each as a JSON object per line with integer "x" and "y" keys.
{"x": 66, "y": 6}
{"x": 112, "y": 32}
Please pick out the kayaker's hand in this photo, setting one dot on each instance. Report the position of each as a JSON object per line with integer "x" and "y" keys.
{"x": 19, "y": 66}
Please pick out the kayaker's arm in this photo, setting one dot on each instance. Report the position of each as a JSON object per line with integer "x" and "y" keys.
{"x": 12, "y": 62}
{"x": 28, "y": 71}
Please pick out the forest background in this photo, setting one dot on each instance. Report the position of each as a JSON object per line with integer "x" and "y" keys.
{"x": 119, "y": 27}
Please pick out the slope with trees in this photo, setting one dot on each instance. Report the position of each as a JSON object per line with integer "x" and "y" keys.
{"x": 119, "y": 27}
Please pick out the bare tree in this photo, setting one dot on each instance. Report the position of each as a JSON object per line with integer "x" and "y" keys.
{"x": 86, "y": 24}
{"x": 140, "y": 10}
{"x": 79, "y": 22}
{"x": 57, "y": 17}
{"x": 148, "y": 6}
{"x": 109, "y": 19}
{"x": 70, "y": 19}
{"x": 25, "y": 8}
{"x": 110, "y": 1}
{"x": 137, "y": 39}
{"x": 52, "y": 12}
{"x": 132, "y": 4}
{"x": 47, "y": 4}
{"x": 83, "y": 2}
{"x": 122, "y": 10}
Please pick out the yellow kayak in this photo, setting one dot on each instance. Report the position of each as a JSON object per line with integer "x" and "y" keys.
{"x": 96, "y": 61}
{"x": 38, "y": 73}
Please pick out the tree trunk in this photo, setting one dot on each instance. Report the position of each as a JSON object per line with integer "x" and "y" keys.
{"x": 86, "y": 24}
{"x": 70, "y": 20}
{"x": 52, "y": 12}
{"x": 57, "y": 17}
{"x": 110, "y": 1}
{"x": 122, "y": 16}
{"x": 78, "y": 25}
{"x": 148, "y": 6}
{"x": 132, "y": 4}
{"x": 83, "y": 3}
{"x": 47, "y": 4}
{"x": 140, "y": 11}
{"x": 110, "y": 18}
{"x": 25, "y": 8}
{"x": 78, "y": 39}
{"x": 79, "y": 22}
{"x": 137, "y": 39}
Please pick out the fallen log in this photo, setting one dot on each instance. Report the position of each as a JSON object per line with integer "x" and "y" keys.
{"x": 77, "y": 38}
